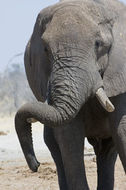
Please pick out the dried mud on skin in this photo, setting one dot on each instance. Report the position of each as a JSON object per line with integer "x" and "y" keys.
{"x": 15, "y": 175}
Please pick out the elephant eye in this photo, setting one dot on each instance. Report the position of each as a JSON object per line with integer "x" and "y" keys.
{"x": 98, "y": 48}
{"x": 97, "y": 44}
{"x": 46, "y": 50}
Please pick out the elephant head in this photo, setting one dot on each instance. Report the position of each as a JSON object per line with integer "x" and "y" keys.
{"x": 65, "y": 61}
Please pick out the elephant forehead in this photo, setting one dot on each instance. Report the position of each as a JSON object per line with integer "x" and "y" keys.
{"x": 66, "y": 19}
{"x": 69, "y": 26}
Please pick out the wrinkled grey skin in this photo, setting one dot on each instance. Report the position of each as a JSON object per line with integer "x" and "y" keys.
{"x": 77, "y": 47}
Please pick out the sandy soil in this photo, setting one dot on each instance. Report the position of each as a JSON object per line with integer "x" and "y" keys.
{"x": 14, "y": 172}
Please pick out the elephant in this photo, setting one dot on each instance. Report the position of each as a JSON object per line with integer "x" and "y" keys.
{"x": 75, "y": 63}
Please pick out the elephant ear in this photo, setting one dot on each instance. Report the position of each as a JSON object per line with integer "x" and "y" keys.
{"x": 115, "y": 75}
{"x": 36, "y": 58}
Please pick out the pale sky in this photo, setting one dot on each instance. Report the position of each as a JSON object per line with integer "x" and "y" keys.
{"x": 17, "y": 18}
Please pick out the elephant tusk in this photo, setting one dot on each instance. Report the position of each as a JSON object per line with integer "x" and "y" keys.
{"x": 31, "y": 120}
{"x": 104, "y": 100}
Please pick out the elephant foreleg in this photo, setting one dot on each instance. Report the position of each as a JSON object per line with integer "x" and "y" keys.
{"x": 106, "y": 156}
{"x": 121, "y": 145}
{"x": 119, "y": 136}
{"x": 118, "y": 127}
{"x": 56, "y": 154}
{"x": 70, "y": 139}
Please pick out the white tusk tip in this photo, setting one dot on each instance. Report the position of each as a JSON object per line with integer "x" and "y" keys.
{"x": 104, "y": 100}
{"x": 109, "y": 107}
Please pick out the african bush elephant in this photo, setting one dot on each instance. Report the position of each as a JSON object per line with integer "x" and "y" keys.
{"x": 76, "y": 60}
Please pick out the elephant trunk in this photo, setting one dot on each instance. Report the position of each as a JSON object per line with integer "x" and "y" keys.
{"x": 67, "y": 94}
{"x": 41, "y": 112}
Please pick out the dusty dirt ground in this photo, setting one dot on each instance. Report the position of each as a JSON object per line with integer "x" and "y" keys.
{"x": 14, "y": 172}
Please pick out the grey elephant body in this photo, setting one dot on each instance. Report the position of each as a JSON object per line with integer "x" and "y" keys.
{"x": 76, "y": 48}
